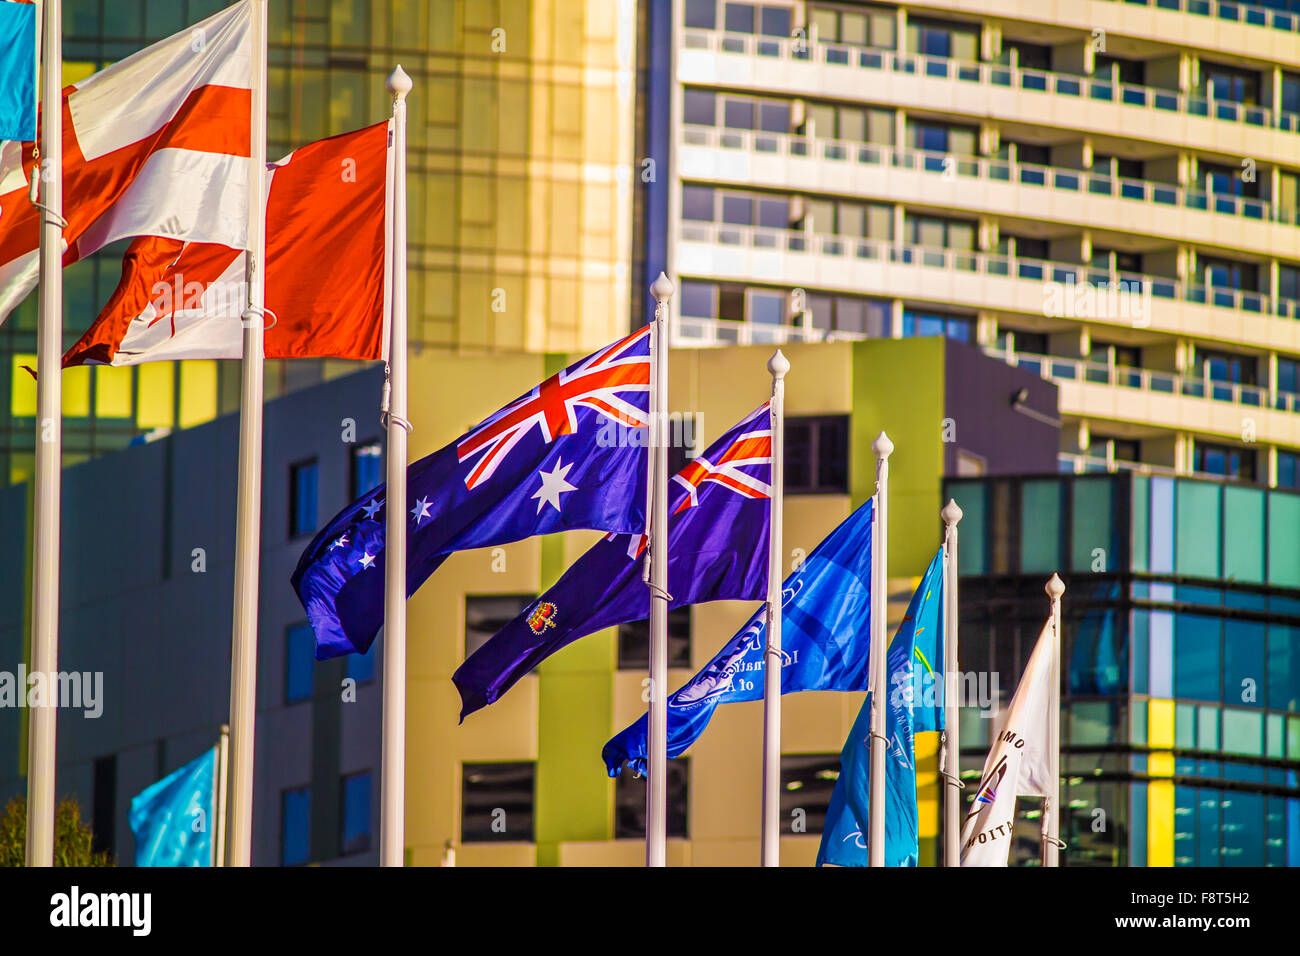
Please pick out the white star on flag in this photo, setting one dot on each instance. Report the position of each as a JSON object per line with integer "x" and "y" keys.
{"x": 339, "y": 543}
{"x": 420, "y": 511}
{"x": 554, "y": 485}
{"x": 367, "y": 559}
{"x": 373, "y": 508}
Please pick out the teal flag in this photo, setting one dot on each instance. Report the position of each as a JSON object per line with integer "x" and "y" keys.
{"x": 17, "y": 71}
{"x": 915, "y": 703}
{"x": 173, "y": 819}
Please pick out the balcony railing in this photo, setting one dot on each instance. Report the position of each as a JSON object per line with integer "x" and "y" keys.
{"x": 990, "y": 74}
{"x": 1081, "y": 464}
{"x": 1148, "y": 380}
{"x": 983, "y": 263}
{"x": 701, "y": 331}
{"x": 1247, "y": 13}
{"x": 982, "y": 167}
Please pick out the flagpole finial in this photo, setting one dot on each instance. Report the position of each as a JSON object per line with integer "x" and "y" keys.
{"x": 882, "y": 446}
{"x": 951, "y": 513}
{"x": 778, "y": 365}
{"x": 1054, "y": 587}
{"x": 663, "y": 288}
{"x": 398, "y": 82}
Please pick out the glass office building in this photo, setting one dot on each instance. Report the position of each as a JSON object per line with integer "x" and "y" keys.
{"x": 1180, "y": 655}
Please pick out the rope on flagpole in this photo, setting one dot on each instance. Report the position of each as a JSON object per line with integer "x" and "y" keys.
{"x": 385, "y": 408}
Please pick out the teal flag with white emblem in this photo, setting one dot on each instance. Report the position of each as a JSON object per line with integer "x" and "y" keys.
{"x": 173, "y": 820}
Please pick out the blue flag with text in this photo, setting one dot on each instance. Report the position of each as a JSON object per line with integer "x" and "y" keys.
{"x": 915, "y": 703}
{"x": 569, "y": 454}
{"x": 17, "y": 71}
{"x": 173, "y": 819}
{"x": 825, "y": 638}
{"x": 717, "y": 550}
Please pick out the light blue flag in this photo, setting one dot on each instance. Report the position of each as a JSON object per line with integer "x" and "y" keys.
{"x": 173, "y": 819}
{"x": 17, "y": 71}
{"x": 825, "y": 638}
{"x": 915, "y": 666}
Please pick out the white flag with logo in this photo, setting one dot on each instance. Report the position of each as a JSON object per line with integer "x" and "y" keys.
{"x": 1017, "y": 763}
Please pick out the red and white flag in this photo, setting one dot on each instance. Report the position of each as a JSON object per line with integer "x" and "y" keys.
{"x": 157, "y": 144}
{"x": 327, "y": 223}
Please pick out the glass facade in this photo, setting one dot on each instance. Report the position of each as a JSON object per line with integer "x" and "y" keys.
{"x": 1180, "y": 730}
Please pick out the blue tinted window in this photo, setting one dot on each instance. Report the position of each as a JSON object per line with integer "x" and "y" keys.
{"x": 1288, "y": 470}
{"x": 1196, "y": 657}
{"x": 1284, "y": 667}
{"x": 367, "y": 468}
{"x": 295, "y": 826}
{"x": 299, "y": 664}
{"x": 303, "y": 480}
{"x": 357, "y": 790}
{"x": 920, "y": 324}
{"x": 1245, "y": 674}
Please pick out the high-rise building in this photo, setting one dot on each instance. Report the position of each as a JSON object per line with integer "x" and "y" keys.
{"x": 1105, "y": 193}
{"x": 520, "y": 158}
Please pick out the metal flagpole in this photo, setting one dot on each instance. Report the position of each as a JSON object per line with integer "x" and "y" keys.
{"x": 223, "y": 764}
{"x": 777, "y": 365}
{"x": 392, "y": 841}
{"x": 656, "y": 826}
{"x": 1051, "y": 831}
{"x": 248, "y": 516}
{"x": 41, "y": 725}
{"x": 950, "y": 759}
{"x": 882, "y": 447}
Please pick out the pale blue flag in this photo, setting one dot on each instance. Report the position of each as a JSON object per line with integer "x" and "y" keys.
{"x": 173, "y": 819}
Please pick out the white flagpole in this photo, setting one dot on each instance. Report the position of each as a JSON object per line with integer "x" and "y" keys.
{"x": 248, "y": 516}
{"x": 41, "y": 725}
{"x": 1051, "y": 830}
{"x": 777, "y": 365}
{"x": 950, "y": 759}
{"x": 882, "y": 447}
{"x": 223, "y": 765}
{"x": 392, "y": 842}
{"x": 656, "y": 825}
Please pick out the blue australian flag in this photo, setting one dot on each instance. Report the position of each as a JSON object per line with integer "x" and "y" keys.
{"x": 17, "y": 71}
{"x": 915, "y": 704}
{"x": 569, "y": 454}
{"x": 173, "y": 819}
{"x": 717, "y": 550}
{"x": 825, "y": 636}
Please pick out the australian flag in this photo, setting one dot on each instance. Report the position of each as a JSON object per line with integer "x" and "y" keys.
{"x": 717, "y": 550}
{"x": 569, "y": 454}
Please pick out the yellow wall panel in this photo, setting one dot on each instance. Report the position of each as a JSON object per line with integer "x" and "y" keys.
{"x": 157, "y": 395}
{"x": 22, "y": 401}
{"x": 198, "y": 392}
{"x": 113, "y": 391}
{"x": 76, "y": 392}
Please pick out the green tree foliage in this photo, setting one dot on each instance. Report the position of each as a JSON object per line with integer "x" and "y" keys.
{"x": 72, "y": 837}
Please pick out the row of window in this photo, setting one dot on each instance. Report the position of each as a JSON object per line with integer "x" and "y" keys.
{"x": 354, "y": 823}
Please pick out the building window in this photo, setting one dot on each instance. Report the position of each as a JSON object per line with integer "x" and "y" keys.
{"x": 630, "y": 797}
{"x": 367, "y": 471}
{"x": 299, "y": 663}
{"x": 853, "y": 219}
{"x": 295, "y": 826}
{"x": 1223, "y": 460}
{"x": 634, "y": 642}
{"x": 920, "y": 323}
{"x": 701, "y": 14}
{"x": 817, "y": 455}
{"x": 1226, "y": 367}
{"x": 871, "y": 26}
{"x": 1288, "y": 469}
{"x": 485, "y": 614}
{"x": 807, "y": 781}
{"x": 497, "y": 802}
{"x": 851, "y": 124}
{"x": 933, "y": 232}
{"x": 851, "y": 315}
{"x": 303, "y": 482}
{"x": 357, "y": 789}
{"x": 361, "y": 667}
{"x": 1230, "y": 85}
{"x": 941, "y": 39}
